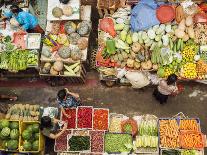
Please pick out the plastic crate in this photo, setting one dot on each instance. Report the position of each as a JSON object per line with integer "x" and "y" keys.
{"x": 41, "y": 138}
{"x": 99, "y": 132}
{"x": 2, "y": 149}
{"x": 89, "y": 107}
{"x": 197, "y": 120}
{"x": 30, "y": 40}
{"x": 69, "y": 127}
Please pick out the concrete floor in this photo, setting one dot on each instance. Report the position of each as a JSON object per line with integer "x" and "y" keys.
{"x": 124, "y": 100}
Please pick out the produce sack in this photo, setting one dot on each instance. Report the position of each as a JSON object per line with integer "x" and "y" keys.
{"x": 143, "y": 15}
{"x": 137, "y": 79}
{"x": 129, "y": 126}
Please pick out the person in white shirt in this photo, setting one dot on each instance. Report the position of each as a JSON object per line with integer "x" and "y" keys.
{"x": 165, "y": 88}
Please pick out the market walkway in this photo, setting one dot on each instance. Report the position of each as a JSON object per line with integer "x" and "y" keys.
{"x": 191, "y": 102}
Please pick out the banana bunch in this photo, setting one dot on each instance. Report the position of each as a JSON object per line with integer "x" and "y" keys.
{"x": 189, "y": 71}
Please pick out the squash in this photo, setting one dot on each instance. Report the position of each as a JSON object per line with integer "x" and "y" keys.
{"x": 67, "y": 10}
{"x": 58, "y": 66}
{"x": 73, "y": 38}
{"x": 130, "y": 63}
{"x": 137, "y": 65}
{"x": 46, "y": 51}
{"x": 82, "y": 43}
{"x": 147, "y": 65}
{"x": 136, "y": 47}
{"x": 64, "y": 52}
{"x": 46, "y": 68}
{"x": 179, "y": 14}
{"x": 76, "y": 54}
{"x": 53, "y": 71}
{"x": 70, "y": 27}
{"x": 57, "y": 12}
{"x": 62, "y": 39}
{"x": 84, "y": 28}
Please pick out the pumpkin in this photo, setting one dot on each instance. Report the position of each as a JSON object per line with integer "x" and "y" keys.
{"x": 57, "y": 12}
{"x": 147, "y": 65}
{"x": 83, "y": 28}
{"x": 55, "y": 28}
{"x": 130, "y": 63}
{"x": 82, "y": 43}
{"x": 73, "y": 38}
{"x": 76, "y": 54}
{"x": 67, "y": 10}
{"x": 14, "y": 22}
{"x": 136, "y": 47}
{"x": 64, "y": 52}
{"x": 70, "y": 27}
{"x": 46, "y": 68}
{"x": 62, "y": 39}
{"x": 53, "y": 71}
{"x": 58, "y": 66}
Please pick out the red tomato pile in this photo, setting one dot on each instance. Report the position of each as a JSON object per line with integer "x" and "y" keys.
{"x": 97, "y": 141}
{"x": 100, "y": 119}
{"x": 84, "y": 117}
{"x": 72, "y": 118}
{"x": 61, "y": 142}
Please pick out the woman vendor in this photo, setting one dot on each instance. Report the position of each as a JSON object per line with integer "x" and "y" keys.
{"x": 26, "y": 20}
{"x": 67, "y": 99}
{"x": 49, "y": 127}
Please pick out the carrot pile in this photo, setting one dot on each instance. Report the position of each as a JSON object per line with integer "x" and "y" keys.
{"x": 169, "y": 133}
{"x": 189, "y": 125}
{"x": 191, "y": 140}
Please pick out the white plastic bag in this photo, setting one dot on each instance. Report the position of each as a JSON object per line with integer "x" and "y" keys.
{"x": 137, "y": 79}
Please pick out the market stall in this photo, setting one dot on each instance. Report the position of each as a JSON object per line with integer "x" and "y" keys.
{"x": 65, "y": 44}
{"x": 96, "y": 130}
{"x": 170, "y": 39}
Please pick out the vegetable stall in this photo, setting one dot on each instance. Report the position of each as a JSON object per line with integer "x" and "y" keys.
{"x": 103, "y": 132}
{"x": 65, "y": 44}
{"x": 171, "y": 39}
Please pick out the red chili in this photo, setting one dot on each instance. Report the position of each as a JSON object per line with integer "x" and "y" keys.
{"x": 72, "y": 120}
{"x": 84, "y": 117}
{"x": 100, "y": 119}
{"x": 61, "y": 142}
{"x": 97, "y": 141}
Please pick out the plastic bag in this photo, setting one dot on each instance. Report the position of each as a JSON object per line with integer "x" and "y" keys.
{"x": 139, "y": 21}
{"x": 129, "y": 126}
{"x": 137, "y": 79}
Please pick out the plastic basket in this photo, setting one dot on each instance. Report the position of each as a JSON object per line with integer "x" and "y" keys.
{"x": 94, "y": 115}
{"x": 101, "y": 132}
{"x": 41, "y": 138}
{"x": 61, "y": 118}
{"x": 197, "y": 120}
{"x": 118, "y": 116}
{"x": 2, "y": 149}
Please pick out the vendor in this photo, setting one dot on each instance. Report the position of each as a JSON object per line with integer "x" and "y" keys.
{"x": 49, "y": 127}
{"x": 165, "y": 88}
{"x": 67, "y": 99}
{"x": 26, "y": 20}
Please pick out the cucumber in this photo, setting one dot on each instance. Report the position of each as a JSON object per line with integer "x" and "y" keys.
{"x": 174, "y": 48}
{"x": 178, "y": 44}
{"x": 171, "y": 44}
{"x": 181, "y": 45}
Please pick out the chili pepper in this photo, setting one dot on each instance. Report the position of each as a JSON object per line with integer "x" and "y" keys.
{"x": 100, "y": 119}
{"x": 84, "y": 117}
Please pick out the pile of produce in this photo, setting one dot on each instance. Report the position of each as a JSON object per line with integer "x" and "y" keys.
{"x": 97, "y": 141}
{"x": 71, "y": 119}
{"x": 129, "y": 126}
{"x": 201, "y": 68}
{"x": 61, "y": 68}
{"x": 200, "y": 33}
{"x": 79, "y": 143}
{"x": 189, "y": 124}
{"x": 116, "y": 143}
{"x": 147, "y": 141}
{"x": 169, "y": 133}
{"x": 32, "y": 58}
{"x": 191, "y": 152}
{"x": 9, "y": 135}
{"x": 84, "y": 117}
{"x": 30, "y": 137}
{"x": 100, "y": 119}
{"x": 115, "y": 123}
{"x": 66, "y": 10}
{"x": 191, "y": 140}
{"x": 61, "y": 142}
{"x": 23, "y": 112}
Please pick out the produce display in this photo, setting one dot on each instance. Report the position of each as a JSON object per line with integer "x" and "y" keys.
{"x": 191, "y": 140}
{"x": 71, "y": 120}
{"x": 97, "y": 141}
{"x": 23, "y": 112}
{"x": 189, "y": 125}
{"x": 129, "y": 126}
{"x": 169, "y": 47}
{"x": 30, "y": 137}
{"x": 9, "y": 135}
{"x": 116, "y": 143}
{"x": 169, "y": 133}
{"x": 59, "y": 68}
{"x": 191, "y": 152}
{"x": 61, "y": 142}
{"x": 84, "y": 117}
{"x": 79, "y": 143}
{"x": 115, "y": 123}
{"x": 100, "y": 119}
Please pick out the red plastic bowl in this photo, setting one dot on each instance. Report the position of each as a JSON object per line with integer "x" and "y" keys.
{"x": 165, "y": 13}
